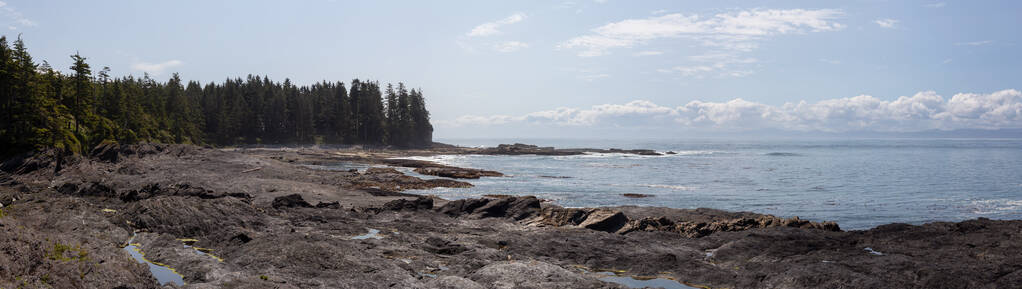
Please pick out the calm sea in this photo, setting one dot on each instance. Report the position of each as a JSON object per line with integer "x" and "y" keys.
{"x": 857, "y": 183}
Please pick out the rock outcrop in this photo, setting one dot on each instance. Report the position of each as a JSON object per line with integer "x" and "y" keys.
{"x": 457, "y": 173}
{"x": 526, "y": 149}
{"x": 529, "y": 210}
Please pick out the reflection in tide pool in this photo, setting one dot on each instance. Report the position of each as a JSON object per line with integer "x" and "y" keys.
{"x": 373, "y": 234}
{"x": 163, "y": 274}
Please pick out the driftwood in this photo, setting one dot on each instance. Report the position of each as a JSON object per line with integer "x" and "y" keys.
{"x": 251, "y": 170}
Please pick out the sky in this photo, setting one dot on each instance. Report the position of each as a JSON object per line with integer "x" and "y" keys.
{"x": 583, "y": 68}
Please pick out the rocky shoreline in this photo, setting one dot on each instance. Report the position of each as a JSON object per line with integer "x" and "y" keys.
{"x": 277, "y": 218}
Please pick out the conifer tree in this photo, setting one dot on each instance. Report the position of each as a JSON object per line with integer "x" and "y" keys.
{"x": 41, "y": 107}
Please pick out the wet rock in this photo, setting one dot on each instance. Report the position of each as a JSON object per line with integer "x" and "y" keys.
{"x": 385, "y": 193}
{"x": 392, "y": 180}
{"x": 636, "y": 196}
{"x": 516, "y": 208}
{"x": 381, "y": 171}
{"x": 526, "y": 149}
{"x": 88, "y": 189}
{"x": 329, "y": 205}
{"x": 604, "y": 220}
{"x": 483, "y": 247}
{"x": 523, "y": 207}
{"x": 184, "y": 190}
{"x": 421, "y": 203}
{"x": 438, "y": 183}
{"x": 443, "y": 247}
{"x": 453, "y": 282}
{"x": 533, "y": 274}
{"x": 457, "y": 173}
{"x": 33, "y": 162}
{"x": 462, "y": 207}
{"x": 495, "y": 244}
{"x": 242, "y": 237}
{"x": 557, "y": 216}
{"x": 290, "y": 201}
{"x": 107, "y": 152}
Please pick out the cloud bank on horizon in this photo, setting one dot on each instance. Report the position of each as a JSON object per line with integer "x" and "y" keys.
{"x": 552, "y": 68}
{"x": 920, "y": 112}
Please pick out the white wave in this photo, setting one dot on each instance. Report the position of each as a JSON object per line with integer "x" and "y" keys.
{"x": 698, "y": 153}
{"x": 593, "y": 155}
{"x": 611, "y": 166}
{"x": 440, "y": 159}
{"x": 672, "y": 187}
{"x": 996, "y": 206}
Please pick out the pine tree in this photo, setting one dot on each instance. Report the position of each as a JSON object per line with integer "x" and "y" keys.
{"x": 82, "y": 84}
{"x": 40, "y": 107}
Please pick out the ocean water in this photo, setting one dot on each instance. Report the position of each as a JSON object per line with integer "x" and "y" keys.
{"x": 858, "y": 183}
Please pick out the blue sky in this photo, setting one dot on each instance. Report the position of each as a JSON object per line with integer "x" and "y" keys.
{"x": 583, "y": 67}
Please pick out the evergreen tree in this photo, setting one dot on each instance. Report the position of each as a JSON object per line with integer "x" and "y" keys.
{"x": 42, "y": 107}
{"x": 81, "y": 81}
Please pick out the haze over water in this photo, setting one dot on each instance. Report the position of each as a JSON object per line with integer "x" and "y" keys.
{"x": 858, "y": 183}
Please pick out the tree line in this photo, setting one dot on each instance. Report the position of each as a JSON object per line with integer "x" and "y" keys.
{"x": 42, "y": 108}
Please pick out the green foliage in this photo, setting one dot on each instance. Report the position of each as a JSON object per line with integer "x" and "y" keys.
{"x": 61, "y": 252}
{"x": 41, "y": 108}
{"x": 264, "y": 277}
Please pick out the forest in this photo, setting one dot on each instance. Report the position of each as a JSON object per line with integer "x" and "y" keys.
{"x": 41, "y": 108}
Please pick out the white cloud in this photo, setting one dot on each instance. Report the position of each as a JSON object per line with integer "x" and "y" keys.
{"x": 15, "y": 16}
{"x": 648, "y": 53}
{"x": 830, "y": 61}
{"x": 735, "y": 30}
{"x": 946, "y": 61}
{"x": 922, "y": 111}
{"x": 935, "y": 5}
{"x": 510, "y": 46}
{"x": 593, "y": 77}
{"x": 727, "y": 35}
{"x": 155, "y": 68}
{"x": 886, "y": 22}
{"x": 658, "y": 11}
{"x": 975, "y": 43}
{"x": 718, "y": 64}
{"x": 490, "y": 28}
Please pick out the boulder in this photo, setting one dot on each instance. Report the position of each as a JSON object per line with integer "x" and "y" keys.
{"x": 604, "y": 220}
{"x": 421, "y": 203}
{"x": 517, "y": 208}
{"x": 290, "y": 201}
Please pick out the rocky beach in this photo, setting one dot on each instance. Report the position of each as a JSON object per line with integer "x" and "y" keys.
{"x": 277, "y": 218}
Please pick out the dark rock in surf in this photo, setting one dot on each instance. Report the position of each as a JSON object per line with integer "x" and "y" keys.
{"x": 457, "y": 173}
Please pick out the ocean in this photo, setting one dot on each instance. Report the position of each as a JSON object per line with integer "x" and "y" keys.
{"x": 860, "y": 183}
